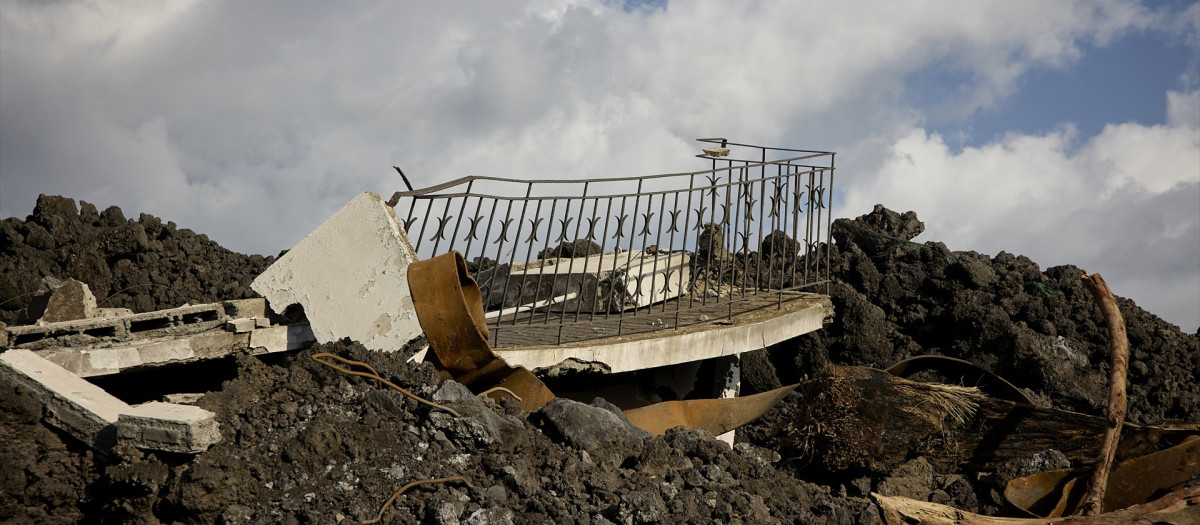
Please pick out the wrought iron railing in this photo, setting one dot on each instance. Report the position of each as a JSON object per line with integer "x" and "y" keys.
{"x": 585, "y": 257}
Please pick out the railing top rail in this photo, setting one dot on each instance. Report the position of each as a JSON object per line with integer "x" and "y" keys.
{"x": 742, "y": 164}
{"x": 725, "y": 142}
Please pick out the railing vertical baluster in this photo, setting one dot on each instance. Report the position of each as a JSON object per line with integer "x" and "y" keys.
{"x": 662, "y": 209}
{"x": 829, "y": 224}
{"x": 795, "y": 207}
{"x": 579, "y": 299}
{"x": 600, "y": 263}
{"x": 424, "y": 223}
{"x": 513, "y": 257}
{"x": 542, "y": 270}
{"x": 637, "y": 202}
{"x": 695, "y": 261}
{"x": 461, "y": 209}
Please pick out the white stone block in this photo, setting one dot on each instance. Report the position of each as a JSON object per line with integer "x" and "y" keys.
{"x": 351, "y": 277}
{"x": 240, "y": 326}
{"x": 254, "y": 307}
{"x": 281, "y": 338}
{"x": 169, "y": 427}
{"x": 80, "y": 408}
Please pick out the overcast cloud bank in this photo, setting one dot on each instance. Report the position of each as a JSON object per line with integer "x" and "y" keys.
{"x": 254, "y": 122}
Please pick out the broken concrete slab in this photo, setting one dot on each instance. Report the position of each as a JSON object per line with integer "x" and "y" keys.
{"x": 595, "y": 283}
{"x": 31, "y": 335}
{"x": 180, "y": 321}
{"x": 249, "y": 308}
{"x": 169, "y": 427}
{"x": 98, "y": 361}
{"x": 281, "y": 338}
{"x": 72, "y": 404}
{"x": 183, "y": 398}
{"x": 240, "y": 326}
{"x": 351, "y": 277}
{"x": 71, "y": 301}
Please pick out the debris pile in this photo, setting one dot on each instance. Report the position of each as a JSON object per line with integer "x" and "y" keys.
{"x": 328, "y": 434}
{"x": 142, "y": 264}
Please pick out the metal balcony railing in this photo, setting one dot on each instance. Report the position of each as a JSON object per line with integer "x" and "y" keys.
{"x": 568, "y": 260}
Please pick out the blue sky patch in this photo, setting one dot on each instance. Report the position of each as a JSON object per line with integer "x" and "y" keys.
{"x": 1125, "y": 81}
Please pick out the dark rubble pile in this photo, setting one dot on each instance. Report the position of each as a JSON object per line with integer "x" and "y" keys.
{"x": 140, "y": 264}
{"x": 1042, "y": 331}
{"x": 895, "y": 299}
{"x": 303, "y": 443}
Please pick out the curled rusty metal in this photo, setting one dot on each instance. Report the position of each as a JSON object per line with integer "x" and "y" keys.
{"x": 450, "y": 310}
{"x": 1138, "y": 480}
{"x": 987, "y": 382}
{"x": 716, "y": 415}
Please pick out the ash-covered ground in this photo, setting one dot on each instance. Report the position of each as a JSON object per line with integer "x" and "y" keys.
{"x": 303, "y": 443}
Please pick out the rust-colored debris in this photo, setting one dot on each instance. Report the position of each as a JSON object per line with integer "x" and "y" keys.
{"x": 716, "y": 415}
{"x": 1058, "y": 492}
{"x": 1181, "y": 507}
{"x": 450, "y": 310}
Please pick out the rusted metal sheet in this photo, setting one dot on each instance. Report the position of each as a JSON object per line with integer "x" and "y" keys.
{"x": 716, "y": 415}
{"x": 450, "y": 311}
{"x": 1139, "y": 480}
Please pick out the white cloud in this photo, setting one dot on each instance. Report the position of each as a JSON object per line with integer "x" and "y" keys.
{"x": 252, "y": 122}
{"x": 1183, "y": 109}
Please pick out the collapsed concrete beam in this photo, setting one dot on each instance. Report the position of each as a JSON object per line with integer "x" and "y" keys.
{"x": 351, "y": 277}
{"x": 169, "y": 427}
{"x": 98, "y": 418}
{"x": 91, "y": 361}
{"x": 72, "y": 404}
{"x": 172, "y": 321}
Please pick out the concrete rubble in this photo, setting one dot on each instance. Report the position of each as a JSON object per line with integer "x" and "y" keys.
{"x": 51, "y": 360}
{"x": 351, "y": 277}
{"x": 168, "y": 426}
{"x": 70, "y": 301}
{"x": 120, "y": 343}
{"x": 99, "y": 418}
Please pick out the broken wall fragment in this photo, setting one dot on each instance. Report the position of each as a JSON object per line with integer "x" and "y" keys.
{"x": 351, "y": 277}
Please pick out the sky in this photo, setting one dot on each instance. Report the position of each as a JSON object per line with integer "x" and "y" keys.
{"x": 1065, "y": 131}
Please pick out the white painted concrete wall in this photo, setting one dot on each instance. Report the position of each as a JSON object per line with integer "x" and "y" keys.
{"x": 351, "y": 277}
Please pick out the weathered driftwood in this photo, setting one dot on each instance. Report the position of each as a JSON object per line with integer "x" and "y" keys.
{"x": 1178, "y": 508}
{"x": 1118, "y": 344}
{"x": 856, "y": 417}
